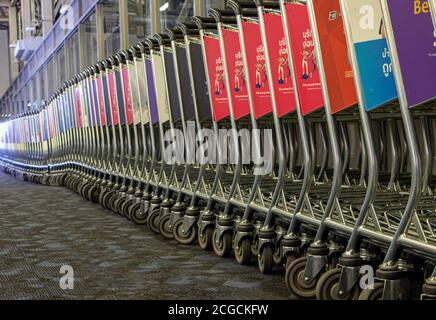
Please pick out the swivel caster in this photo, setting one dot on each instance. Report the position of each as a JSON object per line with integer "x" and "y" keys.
{"x": 125, "y": 209}
{"x": 137, "y": 215}
{"x": 327, "y": 287}
{"x": 184, "y": 236}
{"x": 93, "y": 193}
{"x": 164, "y": 227}
{"x": 295, "y": 281}
{"x": 375, "y": 293}
{"x": 120, "y": 205}
{"x": 153, "y": 220}
{"x": 266, "y": 259}
{"x": 222, "y": 246}
{"x": 243, "y": 251}
{"x": 205, "y": 240}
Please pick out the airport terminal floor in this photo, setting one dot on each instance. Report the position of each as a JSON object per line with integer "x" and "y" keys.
{"x": 43, "y": 228}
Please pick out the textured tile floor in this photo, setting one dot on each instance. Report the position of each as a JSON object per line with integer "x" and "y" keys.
{"x": 43, "y": 228}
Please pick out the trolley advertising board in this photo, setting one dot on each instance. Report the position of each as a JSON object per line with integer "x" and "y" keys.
{"x": 337, "y": 68}
{"x": 215, "y": 70}
{"x": 106, "y": 96}
{"x": 113, "y": 98}
{"x": 151, "y": 92}
{"x": 279, "y": 62}
{"x": 255, "y": 57}
{"x": 78, "y": 106}
{"x": 235, "y": 67}
{"x": 415, "y": 44}
{"x": 160, "y": 86}
{"x": 173, "y": 97}
{"x": 304, "y": 58}
{"x": 142, "y": 84}
{"x": 96, "y": 105}
{"x": 133, "y": 86}
{"x": 185, "y": 82}
{"x": 200, "y": 82}
{"x": 128, "y": 107}
{"x": 373, "y": 59}
{"x": 120, "y": 95}
{"x": 101, "y": 101}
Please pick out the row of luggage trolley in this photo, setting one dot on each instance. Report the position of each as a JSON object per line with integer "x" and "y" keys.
{"x": 238, "y": 131}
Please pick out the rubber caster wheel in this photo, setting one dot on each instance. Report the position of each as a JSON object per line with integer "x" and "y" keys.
{"x": 93, "y": 193}
{"x": 153, "y": 220}
{"x": 289, "y": 259}
{"x": 375, "y": 293}
{"x": 328, "y": 284}
{"x": 102, "y": 198}
{"x": 222, "y": 246}
{"x": 84, "y": 190}
{"x": 295, "y": 282}
{"x": 255, "y": 247}
{"x": 126, "y": 208}
{"x": 164, "y": 228}
{"x": 243, "y": 252}
{"x": 184, "y": 238}
{"x": 277, "y": 257}
{"x": 266, "y": 259}
{"x": 137, "y": 216}
{"x": 111, "y": 201}
{"x": 205, "y": 240}
{"x": 119, "y": 206}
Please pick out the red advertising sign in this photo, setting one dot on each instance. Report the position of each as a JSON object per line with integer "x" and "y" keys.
{"x": 304, "y": 58}
{"x": 338, "y": 73}
{"x": 235, "y": 69}
{"x": 259, "y": 86}
{"x": 100, "y": 99}
{"x": 113, "y": 98}
{"x": 217, "y": 87}
{"x": 279, "y": 60}
{"x": 78, "y": 106}
{"x": 127, "y": 98}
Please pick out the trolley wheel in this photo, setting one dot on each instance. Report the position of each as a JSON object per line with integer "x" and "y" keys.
{"x": 105, "y": 198}
{"x": 328, "y": 284}
{"x": 112, "y": 202}
{"x": 266, "y": 259}
{"x": 126, "y": 208}
{"x": 222, "y": 246}
{"x": 205, "y": 239}
{"x": 119, "y": 206}
{"x": 184, "y": 237}
{"x": 372, "y": 294}
{"x": 153, "y": 220}
{"x": 93, "y": 193}
{"x": 101, "y": 198}
{"x": 137, "y": 216}
{"x": 295, "y": 282}
{"x": 255, "y": 247}
{"x": 289, "y": 259}
{"x": 277, "y": 257}
{"x": 243, "y": 252}
{"x": 164, "y": 227}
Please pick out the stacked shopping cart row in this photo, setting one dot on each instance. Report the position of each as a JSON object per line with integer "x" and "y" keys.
{"x": 281, "y": 131}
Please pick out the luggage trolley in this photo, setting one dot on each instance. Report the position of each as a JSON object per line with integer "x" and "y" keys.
{"x": 186, "y": 62}
{"x": 241, "y": 187}
{"x": 415, "y": 230}
{"x": 326, "y": 200}
{"x": 198, "y": 221}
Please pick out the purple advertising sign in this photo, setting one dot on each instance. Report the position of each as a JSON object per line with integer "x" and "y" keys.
{"x": 415, "y": 42}
{"x": 151, "y": 92}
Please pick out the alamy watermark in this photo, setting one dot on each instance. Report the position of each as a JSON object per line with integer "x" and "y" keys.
{"x": 220, "y": 146}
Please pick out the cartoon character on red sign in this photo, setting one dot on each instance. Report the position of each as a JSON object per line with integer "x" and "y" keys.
{"x": 239, "y": 72}
{"x": 283, "y": 63}
{"x": 219, "y": 77}
{"x": 260, "y": 68}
